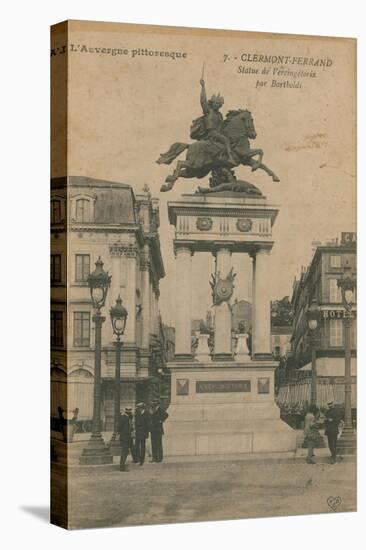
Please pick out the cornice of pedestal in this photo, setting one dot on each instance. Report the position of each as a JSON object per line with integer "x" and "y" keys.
{"x": 203, "y": 205}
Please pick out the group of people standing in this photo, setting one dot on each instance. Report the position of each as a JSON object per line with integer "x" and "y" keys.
{"x": 313, "y": 421}
{"x": 134, "y": 430}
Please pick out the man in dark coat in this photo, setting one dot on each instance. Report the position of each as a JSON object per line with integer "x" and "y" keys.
{"x": 125, "y": 437}
{"x": 332, "y": 420}
{"x": 157, "y": 418}
{"x": 142, "y": 429}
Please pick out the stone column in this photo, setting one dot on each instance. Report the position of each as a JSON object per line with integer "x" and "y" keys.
{"x": 156, "y": 309}
{"x": 183, "y": 347}
{"x": 223, "y": 348}
{"x": 151, "y": 305}
{"x": 130, "y": 295}
{"x": 145, "y": 283}
{"x": 262, "y": 305}
{"x": 253, "y": 302}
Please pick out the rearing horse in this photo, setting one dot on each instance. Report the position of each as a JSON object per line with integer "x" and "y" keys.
{"x": 206, "y": 155}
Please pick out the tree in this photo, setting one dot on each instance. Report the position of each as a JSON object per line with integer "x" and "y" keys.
{"x": 281, "y": 312}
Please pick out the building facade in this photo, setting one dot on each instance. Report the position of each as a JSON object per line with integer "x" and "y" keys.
{"x": 319, "y": 282}
{"x": 92, "y": 218}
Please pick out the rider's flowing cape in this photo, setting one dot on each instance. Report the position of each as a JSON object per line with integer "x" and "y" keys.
{"x": 203, "y": 199}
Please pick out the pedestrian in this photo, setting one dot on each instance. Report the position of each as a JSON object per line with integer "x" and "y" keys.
{"x": 332, "y": 421}
{"x": 158, "y": 417}
{"x": 125, "y": 437}
{"x": 311, "y": 432}
{"x": 142, "y": 429}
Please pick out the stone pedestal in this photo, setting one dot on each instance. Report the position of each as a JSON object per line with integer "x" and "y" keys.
{"x": 224, "y": 406}
{"x": 217, "y": 408}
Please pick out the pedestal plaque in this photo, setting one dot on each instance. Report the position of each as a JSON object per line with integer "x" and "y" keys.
{"x": 222, "y": 386}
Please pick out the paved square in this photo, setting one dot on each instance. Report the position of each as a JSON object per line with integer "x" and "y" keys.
{"x": 172, "y": 492}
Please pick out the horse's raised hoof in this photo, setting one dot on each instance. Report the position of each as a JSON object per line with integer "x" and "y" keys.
{"x": 164, "y": 188}
{"x": 275, "y": 178}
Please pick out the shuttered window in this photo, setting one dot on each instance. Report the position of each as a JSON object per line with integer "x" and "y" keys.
{"x": 57, "y": 328}
{"x": 82, "y": 267}
{"x": 336, "y": 332}
{"x": 83, "y": 210}
{"x": 55, "y": 268}
{"x": 335, "y": 293}
{"x": 82, "y": 329}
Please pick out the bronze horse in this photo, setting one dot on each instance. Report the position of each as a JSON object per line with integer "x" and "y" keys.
{"x": 205, "y": 156}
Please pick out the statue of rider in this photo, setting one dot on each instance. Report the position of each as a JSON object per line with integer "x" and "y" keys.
{"x": 212, "y": 121}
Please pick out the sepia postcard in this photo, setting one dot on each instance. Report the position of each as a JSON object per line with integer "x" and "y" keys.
{"x": 203, "y": 275}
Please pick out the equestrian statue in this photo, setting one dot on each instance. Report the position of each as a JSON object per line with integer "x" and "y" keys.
{"x": 220, "y": 145}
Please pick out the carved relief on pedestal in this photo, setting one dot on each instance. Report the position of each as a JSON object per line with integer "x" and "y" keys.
{"x": 244, "y": 225}
{"x": 204, "y": 223}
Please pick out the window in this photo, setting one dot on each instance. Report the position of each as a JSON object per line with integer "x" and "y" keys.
{"x": 55, "y": 211}
{"x": 83, "y": 210}
{"x": 57, "y": 328}
{"x": 55, "y": 268}
{"x": 82, "y": 329}
{"x": 336, "y": 332}
{"x": 335, "y": 293}
{"x": 335, "y": 261}
{"x": 82, "y": 267}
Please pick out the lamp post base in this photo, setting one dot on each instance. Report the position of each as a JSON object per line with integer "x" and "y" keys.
{"x": 347, "y": 443}
{"x": 96, "y": 452}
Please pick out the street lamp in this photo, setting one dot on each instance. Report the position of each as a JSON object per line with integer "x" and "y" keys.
{"x": 96, "y": 452}
{"x": 313, "y": 318}
{"x": 347, "y": 284}
{"x": 118, "y": 315}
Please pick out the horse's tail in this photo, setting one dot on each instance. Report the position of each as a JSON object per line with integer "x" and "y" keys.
{"x": 174, "y": 151}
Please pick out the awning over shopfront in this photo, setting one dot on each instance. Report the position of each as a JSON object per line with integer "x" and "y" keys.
{"x": 297, "y": 394}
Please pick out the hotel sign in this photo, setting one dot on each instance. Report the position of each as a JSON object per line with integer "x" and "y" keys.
{"x": 337, "y": 314}
{"x": 349, "y": 238}
{"x": 222, "y": 386}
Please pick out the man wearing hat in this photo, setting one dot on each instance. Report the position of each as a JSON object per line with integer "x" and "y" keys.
{"x": 142, "y": 429}
{"x": 125, "y": 437}
{"x": 332, "y": 420}
{"x": 158, "y": 417}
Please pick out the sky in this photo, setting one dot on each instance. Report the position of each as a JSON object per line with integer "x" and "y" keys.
{"x": 125, "y": 110}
